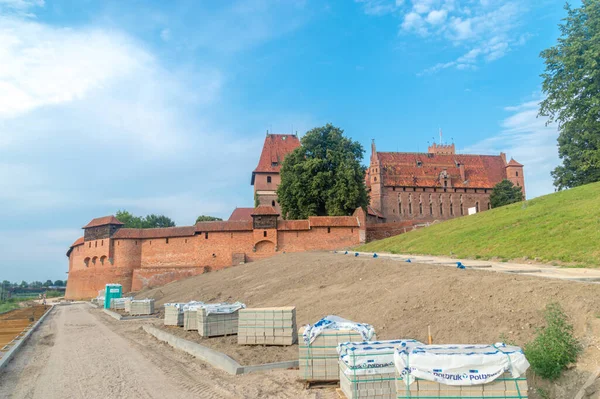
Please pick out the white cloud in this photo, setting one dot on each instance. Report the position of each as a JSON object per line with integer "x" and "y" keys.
{"x": 526, "y": 138}
{"x": 379, "y": 7}
{"x": 489, "y": 27}
{"x": 437, "y": 17}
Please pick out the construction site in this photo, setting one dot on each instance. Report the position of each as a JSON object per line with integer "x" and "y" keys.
{"x": 106, "y": 353}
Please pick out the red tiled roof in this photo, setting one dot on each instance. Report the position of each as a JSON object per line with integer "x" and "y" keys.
{"x": 264, "y": 210}
{"x": 293, "y": 225}
{"x": 333, "y": 221}
{"x": 374, "y": 212}
{"x": 163, "y": 232}
{"x": 103, "y": 221}
{"x": 236, "y": 225}
{"x": 402, "y": 169}
{"x": 275, "y": 148}
{"x": 241, "y": 214}
{"x": 512, "y": 162}
{"x": 77, "y": 242}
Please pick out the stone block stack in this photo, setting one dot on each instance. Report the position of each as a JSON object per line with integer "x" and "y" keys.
{"x": 318, "y": 360}
{"x": 173, "y": 314}
{"x": 190, "y": 320}
{"x": 119, "y": 303}
{"x": 367, "y": 368}
{"x": 142, "y": 307}
{"x": 267, "y": 326}
{"x": 216, "y": 324}
{"x": 504, "y": 386}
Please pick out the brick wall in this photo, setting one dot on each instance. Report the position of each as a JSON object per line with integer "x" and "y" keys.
{"x": 139, "y": 263}
{"x": 384, "y": 230}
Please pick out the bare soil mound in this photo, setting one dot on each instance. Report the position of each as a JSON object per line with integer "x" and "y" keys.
{"x": 401, "y": 299}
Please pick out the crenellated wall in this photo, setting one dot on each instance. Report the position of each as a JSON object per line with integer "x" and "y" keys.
{"x": 142, "y": 262}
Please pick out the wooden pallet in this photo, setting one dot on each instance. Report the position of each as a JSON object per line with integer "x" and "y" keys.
{"x": 320, "y": 384}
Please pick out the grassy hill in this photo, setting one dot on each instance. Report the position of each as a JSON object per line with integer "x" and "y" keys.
{"x": 563, "y": 227}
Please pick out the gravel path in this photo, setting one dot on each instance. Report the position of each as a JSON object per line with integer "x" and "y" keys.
{"x": 79, "y": 352}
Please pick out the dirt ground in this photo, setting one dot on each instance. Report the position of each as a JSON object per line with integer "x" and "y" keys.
{"x": 80, "y": 352}
{"x": 401, "y": 299}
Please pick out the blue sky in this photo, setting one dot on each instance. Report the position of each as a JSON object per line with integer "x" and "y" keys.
{"x": 162, "y": 107}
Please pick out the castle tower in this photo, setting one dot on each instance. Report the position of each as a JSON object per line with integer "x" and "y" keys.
{"x": 514, "y": 173}
{"x": 375, "y": 180}
{"x": 442, "y": 149}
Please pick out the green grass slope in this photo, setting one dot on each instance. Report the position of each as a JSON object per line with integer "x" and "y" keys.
{"x": 562, "y": 227}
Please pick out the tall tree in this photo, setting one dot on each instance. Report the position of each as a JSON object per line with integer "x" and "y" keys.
{"x": 148, "y": 222}
{"x": 59, "y": 283}
{"x": 323, "y": 176}
{"x": 505, "y": 193}
{"x": 48, "y": 283}
{"x": 205, "y": 218}
{"x": 572, "y": 87}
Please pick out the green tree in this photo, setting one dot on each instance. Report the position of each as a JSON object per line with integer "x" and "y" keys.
{"x": 6, "y": 283}
{"x": 148, "y": 222}
{"x": 36, "y": 284}
{"x": 59, "y": 283}
{"x": 505, "y": 193}
{"x": 48, "y": 283}
{"x": 323, "y": 177}
{"x": 204, "y": 218}
{"x": 129, "y": 220}
{"x": 572, "y": 87}
{"x": 24, "y": 284}
{"x": 154, "y": 221}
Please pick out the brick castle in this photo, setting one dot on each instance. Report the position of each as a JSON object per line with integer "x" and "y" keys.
{"x": 405, "y": 188}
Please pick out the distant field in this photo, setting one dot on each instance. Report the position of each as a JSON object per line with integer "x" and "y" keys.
{"x": 563, "y": 227}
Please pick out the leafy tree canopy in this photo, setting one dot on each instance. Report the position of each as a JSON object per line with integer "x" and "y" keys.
{"x": 572, "y": 87}
{"x": 59, "y": 283}
{"x": 48, "y": 283}
{"x": 505, "y": 193}
{"x": 139, "y": 222}
{"x": 323, "y": 177}
{"x": 205, "y": 218}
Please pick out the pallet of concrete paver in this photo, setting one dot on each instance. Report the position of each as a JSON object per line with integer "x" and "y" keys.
{"x": 367, "y": 368}
{"x": 213, "y": 320}
{"x": 190, "y": 319}
{"x": 142, "y": 307}
{"x": 119, "y": 303}
{"x": 127, "y": 305}
{"x": 267, "y": 326}
{"x": 318, "y": 356}
{"x": 461, "y": 371}
{"x": 174, "y": 314}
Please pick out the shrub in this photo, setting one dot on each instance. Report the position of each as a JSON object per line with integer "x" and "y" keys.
{"x": 554, "y": 347}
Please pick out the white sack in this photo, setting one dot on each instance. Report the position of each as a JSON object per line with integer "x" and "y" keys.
{"x": 376, "y": 357}
{"x": 336, "y": 323}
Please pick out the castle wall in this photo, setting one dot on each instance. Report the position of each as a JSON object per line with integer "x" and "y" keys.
{"x": 402, "y": 203}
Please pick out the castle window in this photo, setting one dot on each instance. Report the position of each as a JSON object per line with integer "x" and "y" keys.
{"x": 517, "y": 174}
{"x": 517, "y": 184}
{"x": 264, "y": 233}
{"x": 102, "y": 243}
{"x": 274, "y": 163}
{"x": 89, "y": 245}
{"x": 206, "y": 235}
{"x": 477, "y": 206}
{"x": 375, "y": 178}
{"x": 329, "y": 230}
{"x": 96, "y": 244}
{"x": 410, "y": 208}
{"x": 94, "y": 259}
{"x": 166, "y": 240}
{"x": 268, "y": 179}
{"x": 441, "y": 210}
{"x": 102, "y": 259}
{"x": 186, "y": 240}
{"x": 135, "y": 242}
{"x": 462, "y": 211}
{"x": 393, "y": 188}
{"x": 419, "y": 164}
{"x": 431, "y": 209}
{"x": 420, "y": 209}
{"x": 451, "y": 209}
{"x": 445, "y": 183}
{"x": 272, "y": 203}
{"x": 414, "y": 189}
{"x": 86, "y": 262}
{"x": 403, "y": 188}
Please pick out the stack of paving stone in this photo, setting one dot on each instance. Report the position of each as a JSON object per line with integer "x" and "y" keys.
{"x": 119, "y": 303}
{"x": 190, "y": 319}
{"x": 128, "y": 305}
{"x": 267, "y": 326}
{"x": 504, "y": 386}
{"x": 214, "y": 320}
{"x": 174, "y": 314}
{"x": 461, "y": 371}
{"x": 318, "y": 360}
{"x": 367, "y": 368}
{"x": 142, "y": 307}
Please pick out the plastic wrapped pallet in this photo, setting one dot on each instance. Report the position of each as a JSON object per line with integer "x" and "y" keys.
{"x": 128, "y": 305}
{"x": 218, "y": 319}
{"x": 318, "y": 356}
{"x": 142, "y": 307}
{"x": 267, "y": 326}
{"x": 119, "y": 303}
{"x": 367, "y": 368}
{"x": 174, "y": 314}
{"x": 461, "y": 371}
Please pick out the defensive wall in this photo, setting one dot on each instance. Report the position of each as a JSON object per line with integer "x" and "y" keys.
{"x": 139, "y": 258}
